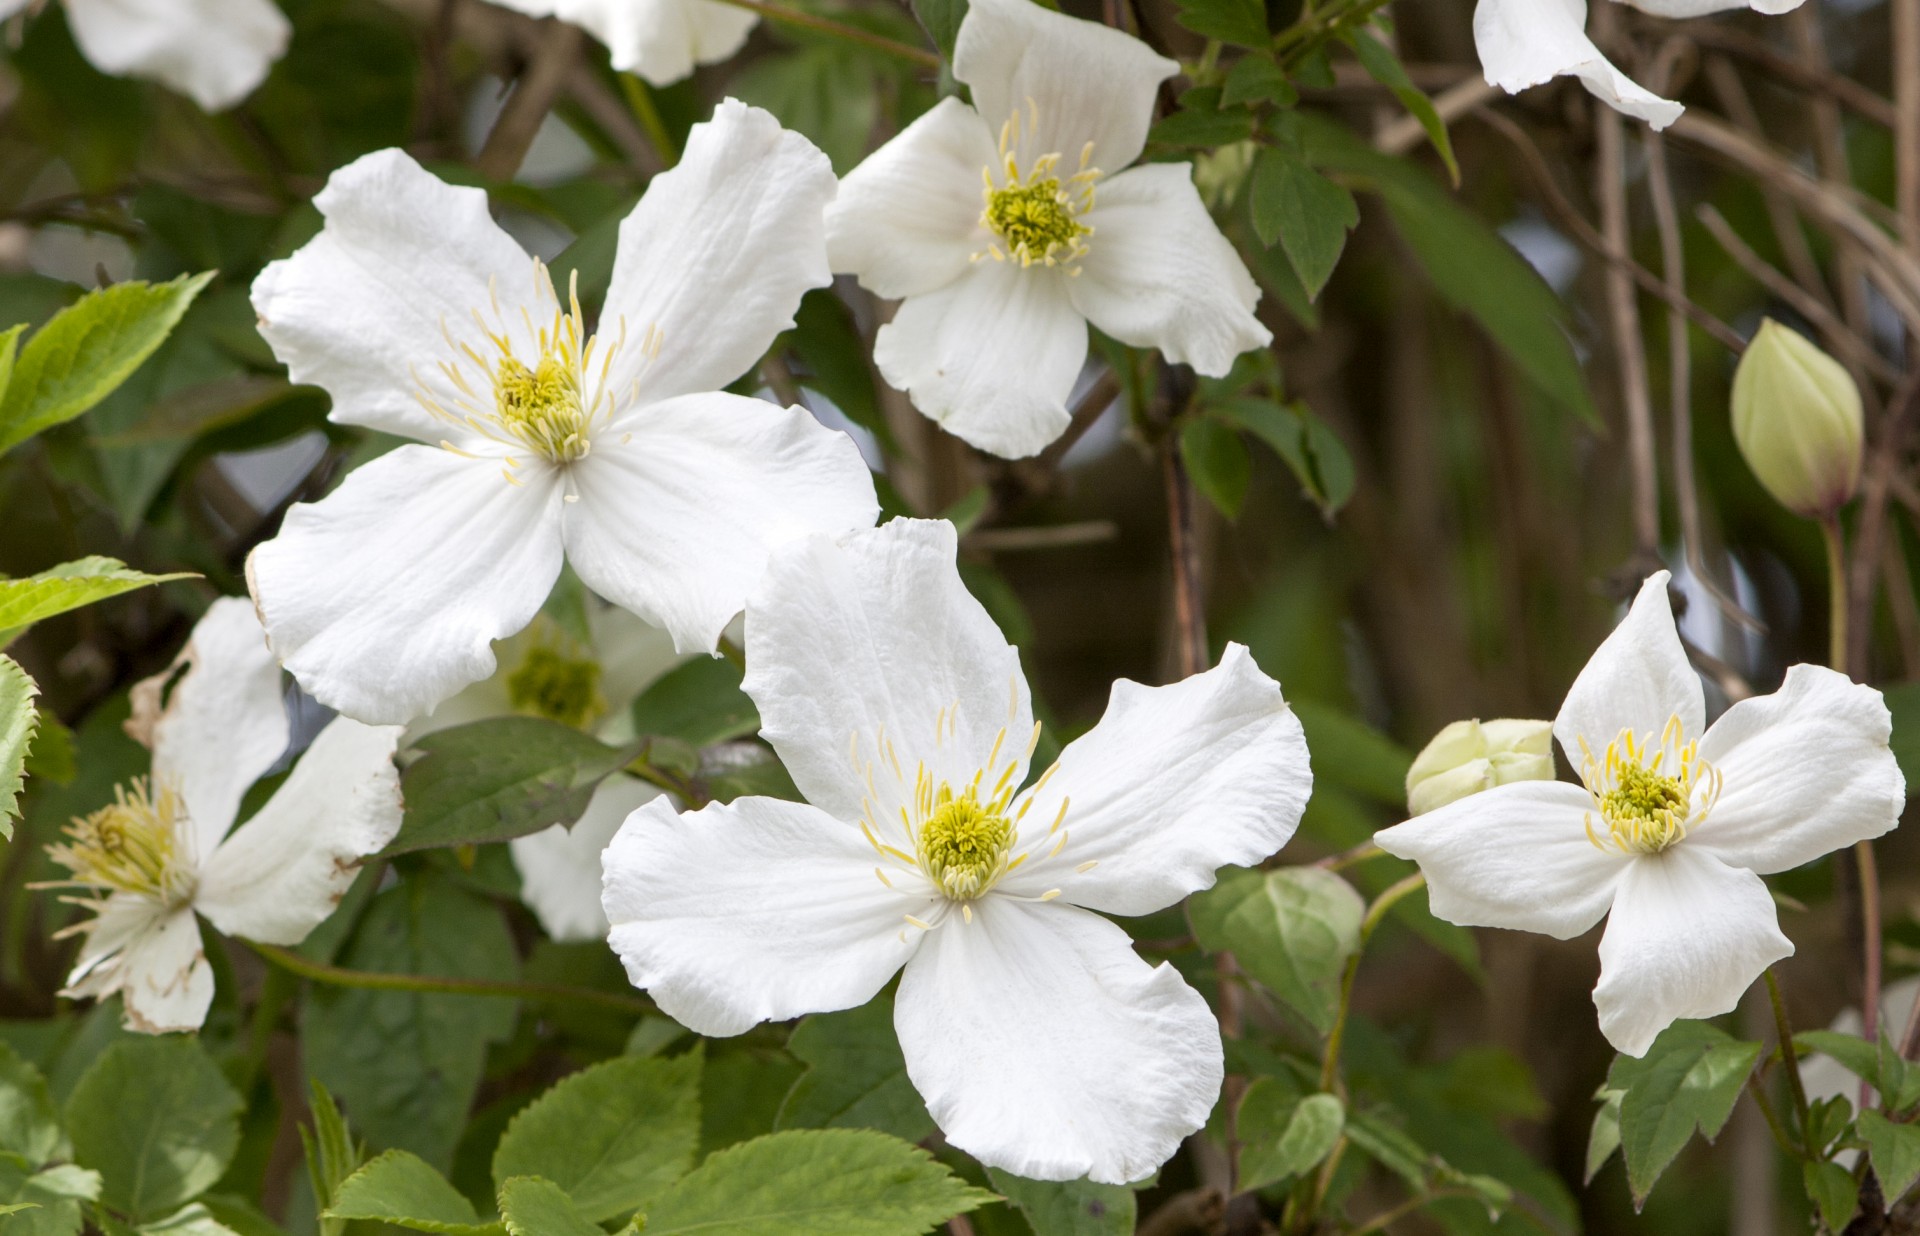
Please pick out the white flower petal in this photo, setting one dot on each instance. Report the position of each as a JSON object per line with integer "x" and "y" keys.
{"x": 907, "y": 220}
{"x": 560, "y": 875}
{"x": 751, "y": 911}
{"x": 718, "y": 254}
{"x": 213, "y": 51}
{"x": 364, "y": 309}
{"x": 1687, "y": 937}
{"x": 1806, "y": 771}
{"x": 384, "y": 598}
{"x": 152, "y": 957}
{"x": 992, "y": 356}
{"x": 1700, "y": 8}
{"x": 1523, "y": 43}
{"x": 676, "y": 524}
{"x": 1514, "y": 856}
{"x": 1044, "y": 1046}
{"x": 878, "y": 635}
{"x": 661, "y": 40}
{"x": 282, "y": 872}
{"x": 1638, "y": 679}
{"x": 1173, "y": 784}
{"x": 719, "y": 30}
{"x": 223, "y": 724}
{"x": 1158, "y": 273}
{"x": 1072, "y": 81}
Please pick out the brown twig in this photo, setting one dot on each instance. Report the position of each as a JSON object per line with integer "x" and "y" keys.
{"x": 1815, "y": 79}
{"x": 533, "y": 97}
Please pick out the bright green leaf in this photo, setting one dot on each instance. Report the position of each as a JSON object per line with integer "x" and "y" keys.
{"x": 1292, "y": 930}
{"x": 194, "y": 1220}
{"x": 1384, "y": 67}
{"x": 1688, "y": 1080}
{"x": 43, "y": 1203}
{"x": 1307, "y": 213}
{"x": 1068, "y": 1207}
{"x": 70, "y": 585}
{"x": 532, "y": 1206}
{"x": 401, "y": 1188}
{"x": 698, "y": 702}
{"x": 856, "y": 1076}
{"x": 29, "y": 1125}
{"x": 1218, "y": 463}
{"x": 159, "y": 1122}
{"x": 1604, "y": 1138}
{"x": 18, "y": 721}
{"x": 1833, "y": 1192}
{"x": 1283, "y": 1135}
{"x": 1895, "y": 1149}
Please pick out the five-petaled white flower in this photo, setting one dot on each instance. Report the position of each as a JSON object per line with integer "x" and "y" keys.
{"x": 1674, "y": 828}
{"x": 615, "y": 451}
{"x": 161, "y": 852}
{"x": 1041, "y": 1042}
{"x": 213, "y": 51}
{"x": 1523, "y": 43}
{"x": 661, "y": 40}
{"x": 1000, "y": 281}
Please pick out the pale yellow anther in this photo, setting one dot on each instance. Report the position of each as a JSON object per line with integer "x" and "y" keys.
{"x": 1035, "y": 214}
{"x": 1648, "y": 795}
{"x": 137, "y": 844}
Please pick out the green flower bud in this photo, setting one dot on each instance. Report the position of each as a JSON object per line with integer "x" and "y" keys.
{"x": 1469, "y": 756}
{"x": 1796, "y": 416}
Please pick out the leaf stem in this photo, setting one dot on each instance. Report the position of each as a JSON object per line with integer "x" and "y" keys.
{"x": 434, "y": 984}
{"x": 840, "y": 30}
{"x": 640, "y": 101}
{"x": 1790, "y": 1056}
{"x": 1330, "y": 1063}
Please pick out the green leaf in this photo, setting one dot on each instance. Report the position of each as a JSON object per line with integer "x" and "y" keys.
{"x": 826, "y": 1182}
{"x": 1256, "y": 78}
{"x": 501, "y": 778}
{"x": 1895, "y": 1149}
{"x": 1242, "y": 22}
{"x": 331, "y": 1152}
{"x": 1218, "y": 462}
{"x": 45, "y": 1203}
{"x": 1200, "y": 122}
{"x": 18, "y": 721}
{"x": 1903, "y": 702}
{"x": 699, "y": 702}
{"x": 87, "y": 350}
{"x": 1833, "y": 1192}
{"x": 1348, "y": 752}
{"x": 856, "y": 1076}
{"x": 159, "y": 1122}
{"x": 194, "y": 1220}
{"x": 826, "y": 92}
{"x": 70, "y": 585}
{"x": 1384, "y": 67}
{"x": 1292, "y": 930}
{"x": 535, "y": 1207}
{"x": 1604, "y": 1138}
{"x": 401, "y": 1188}
{"x": 9, "y": 353}
{"x": 1283, "y": 1135}
{"x": 1307, "y": 213}
{"x": 612, "y": 1136}
{"x": 834, "y": 361}
{"x": 29, "y": 1125}
{"x": 1390, "y": 1147}
{"x": 1688, "y": 1080}
{"x": 1068, "y": 1207}
{"x": 1309, "y": 447}
{"x": 941, "y": 19}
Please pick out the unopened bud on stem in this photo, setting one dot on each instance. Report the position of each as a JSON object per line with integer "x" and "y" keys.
{"x": 1469, "y": 756}
{"x": 1796, "y": 416}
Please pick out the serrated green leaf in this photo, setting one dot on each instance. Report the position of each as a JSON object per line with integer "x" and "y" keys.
{"x": 501, "y": 778}
{"x": 29, "y": 1125}
{"x": 1306, "y": 212}
{"x": 87, "y": 350}
{"x": 1256, "y": 78}
{"x": 43, "y": 1203}
{"x": 1688, "y": 1081}
{"x": 1895, "y": 1149}
{"x": 18, "y": 721}
{"x": 825, "y": 1182}
{"x": 1284, "y": 1135}
{"x": 159, "y": 1122}
{"x": 1291, "y": 930}
{"x": 1068, "y": 1207}
{"x": 1604, "y": 1138}
{"x": 611, "y": 1137}
{"x": 698, "y": 702}
{"x": 1384, "y": 67}
{"x": 856, "y": 1077}
{"x": 1241, "y": 22}
{"x": 68, "y": 586}
{"x": 1833, "y": 1192}
{"x": 405, "y": 1190}
{"x": 1203, "y": 126}
{"x": 531, "y": 1206}
{"x": 1218, "y": 462}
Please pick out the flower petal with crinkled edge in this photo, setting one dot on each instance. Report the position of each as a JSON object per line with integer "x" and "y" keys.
{"x": 1524, "y": 43}
{"x": 1044, "y": 1046}
{"x": 213, "y": 51}
{"x": 1638, "y": 679}
{"x": 1700, "y": 8}
{"x": 661, "y": 40}
{"x": 751, "y": 911}
{"x": 152, "y": 957}
{"x": 560, "y": 871}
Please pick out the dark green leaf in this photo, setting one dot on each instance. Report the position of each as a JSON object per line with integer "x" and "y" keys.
{"x": 827, "y": 92}
{"x": 1068, "y": 1207}
{"x": 1218, "y": 462}
{"x": 1307, "y": 213}
{"x": 833, "y": 360}
{"x": 1604, "y": 1138}
{"x": 1292, "y": 930}
{"x": 1384, "y": 67}
{"x": 1896, "y": 1153}
{"x": 43, "y": 1203}
{"x": 159, "y": 1122}
{"x": 1688, "y": 1080}
{"x": 1833, "y": 1192}
{"x": 941, "y": 20}
{"x": 1903, "y": 702}
{"x": 1309, "y": 447}
{"x": 1256, "y": 78}
{"x": 1243, "y": 22}
{"x": 699, "y": 702}
{"x": 1282, "y": 1134}
{"x": 1203, "y": 127}
{"x": 856, "y": 1076}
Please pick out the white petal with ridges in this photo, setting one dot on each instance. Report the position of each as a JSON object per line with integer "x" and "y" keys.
{"x": 1688, "y": 935}
{"x": 1638, "y": 679}
{"x": 1700, "y": 8}
{"x": 1158, "y": 273}
{"x": 385, "y": 597}
{"x": 907, "y": 220}
{"x": 1514, "y": 856}
{"x": 718, "y": 254}
{"x": 878, "y": 633}
{"x": 213, "y": 51}
{"x": 152, "y": 957}
{"x": 282, "y": 872}
{"x": 560, "y": 872}
{"x": 1524, "y": 43}
{"x": 1173, "y": 783}
{"x": 676, "y": 523}
{"x": 1044, "y": 1046}
{"x": 757, "y": 910}
{"x": 1805, "y": 771}
{"x": 992, "y": 356}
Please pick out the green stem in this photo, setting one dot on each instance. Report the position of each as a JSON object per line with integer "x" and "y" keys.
{"x": 839, "y": 30}
{"x": 433, "y": 984}
{"x": 1758, "y": 1089}
{"x": 1380, "y": 1222}
{"x": 1330, "y": 1064}
{"x": 1836, "y": 545}
{"x": 640, "y": 100}
{"x": 734, "y": 653}
{"x": 1838, "y": 657}
{"x": 1790, "y": 1056}
{"x": 1365, "y": 852}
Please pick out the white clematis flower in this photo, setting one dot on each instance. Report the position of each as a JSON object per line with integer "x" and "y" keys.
{"x": 162, "y": 853}
{"x": 538, "y": 438}
{"x": 213, "y": 51}
{"x": 1674, "y": 828}
{"x": 999, "y": 283}
{"x": 661, "y": 40}
{"x": 1040, "y": 1041}
{"x": 1523, "y": 43}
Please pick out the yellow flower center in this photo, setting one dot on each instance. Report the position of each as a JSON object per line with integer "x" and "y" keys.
{"x": 964, "y": 845}
{"x": 549, "y": 683}
{"x": 1036, "y": 214}
{"x": 135, "y": 845}
{"x": 1645, "y": 792}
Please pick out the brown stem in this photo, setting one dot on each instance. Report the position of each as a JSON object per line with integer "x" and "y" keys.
{"x": 1624, "y": 315}
{"x": 1189, "y": 586}
{"x": 532, "y": 98}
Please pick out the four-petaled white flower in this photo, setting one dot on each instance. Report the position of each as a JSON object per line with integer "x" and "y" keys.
{"x": 1000, "y": 281}
{"x": 661, "y": 40}
{"x": 1041, "y": 1042}
{"x": 1674, "y": 828}
{"x": 1523, "y": 43}
{"x": 615, "y": 451}
{"x": 213, "y": 51}
{"x": 161, "y": 852}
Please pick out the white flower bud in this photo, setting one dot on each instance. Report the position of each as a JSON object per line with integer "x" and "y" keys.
{"x": 1796, "y": 416}
{"x": 1469, "y": 756}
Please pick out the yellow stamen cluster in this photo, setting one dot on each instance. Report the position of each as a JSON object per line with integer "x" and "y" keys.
{"x": 550, "y": 682}
{"x": 963, "y": 845}
{"x": 1646, "y": 793}
{"x": 1036, "y": 214}
{"x": 133, "y": 845}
